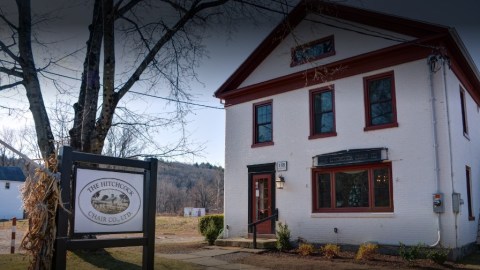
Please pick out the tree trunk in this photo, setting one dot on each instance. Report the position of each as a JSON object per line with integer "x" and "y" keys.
{"x": 86, "y": 106}
{"x": 45, "y": 137}
{"x": 110, "y": 99}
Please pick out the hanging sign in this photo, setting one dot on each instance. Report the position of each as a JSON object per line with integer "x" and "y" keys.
{"x": 351, "y": 157}
{"x": 108, "y": 201}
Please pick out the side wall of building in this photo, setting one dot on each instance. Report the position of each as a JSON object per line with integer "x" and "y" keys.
{"x": 10, "y": 200}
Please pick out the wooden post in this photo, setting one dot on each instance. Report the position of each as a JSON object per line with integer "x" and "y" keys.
{"x": 14, "y": 230}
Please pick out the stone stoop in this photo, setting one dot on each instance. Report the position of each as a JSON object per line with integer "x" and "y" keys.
{"x": 262, "y": 243}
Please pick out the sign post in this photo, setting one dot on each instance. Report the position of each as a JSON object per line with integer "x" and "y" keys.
{"x": 105, "y": 201}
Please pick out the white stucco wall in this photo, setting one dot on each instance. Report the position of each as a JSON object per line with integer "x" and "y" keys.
{"x": 10, "y": 202}
{"x": 411, "y": 153}
{"x": 465, "y": 152}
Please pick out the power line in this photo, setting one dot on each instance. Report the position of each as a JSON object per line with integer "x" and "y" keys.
{"x": 144, "y": 94}
{"x": 178, "y": 101}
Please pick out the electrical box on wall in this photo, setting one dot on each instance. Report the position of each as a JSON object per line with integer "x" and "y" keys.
{"x": 456, "y": 202}
{"x": 438, "y": 203}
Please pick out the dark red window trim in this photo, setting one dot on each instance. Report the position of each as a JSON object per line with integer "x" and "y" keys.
{"x": 368, "y": 119}
{"x": 333, "y": 170}
{"x": 463, "y": 105}
{"x": 312, "y": 93}
{"x": 468, "y": 177}
{"x": 310, "y": 44}
{"x": 254, "y": 121}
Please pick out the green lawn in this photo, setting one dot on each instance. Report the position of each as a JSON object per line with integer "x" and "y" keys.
{"x": 112, "y": 258}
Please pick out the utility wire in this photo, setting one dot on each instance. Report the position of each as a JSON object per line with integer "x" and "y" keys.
{"x": 144, "y": 94}
{"x": 178, "y": 101}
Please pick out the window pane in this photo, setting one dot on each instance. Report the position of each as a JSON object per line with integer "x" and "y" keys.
{"x": 381, "y": 184}
{"x": 380, "y": 98}
{"x": 351, "y": 189}
{"x": 381, "y": 113}
{"x": 380, "y": 90}
{"x": 264, "y": 114}
{"x": 264, "y": 133}
{"x": 323, "y": 191}
{"x": 325, "y": 123}
{"x": 323, "y": 112}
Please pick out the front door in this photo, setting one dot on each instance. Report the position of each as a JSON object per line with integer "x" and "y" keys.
{"x": 262, "y": 202}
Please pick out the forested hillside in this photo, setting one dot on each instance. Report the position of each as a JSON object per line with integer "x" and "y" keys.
{"x": 182, "y": 185}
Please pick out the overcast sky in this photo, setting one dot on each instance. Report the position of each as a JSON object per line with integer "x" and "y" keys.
{"x": 207, "y": 125}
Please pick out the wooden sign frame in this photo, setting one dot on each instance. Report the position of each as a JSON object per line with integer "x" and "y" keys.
{"x": 68, "y": 161}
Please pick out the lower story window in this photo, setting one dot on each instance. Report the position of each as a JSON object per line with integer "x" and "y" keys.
{"x": 365, "y": 188}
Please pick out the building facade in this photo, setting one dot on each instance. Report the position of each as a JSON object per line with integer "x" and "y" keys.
{"x": 373, "y": 122}
{"x": 11, "y": 179}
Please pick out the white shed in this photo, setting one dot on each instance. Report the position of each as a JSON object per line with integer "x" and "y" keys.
{"x": 11, "y": 178}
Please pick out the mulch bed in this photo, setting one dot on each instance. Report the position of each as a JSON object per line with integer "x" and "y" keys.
{"x": 291, "y": 260}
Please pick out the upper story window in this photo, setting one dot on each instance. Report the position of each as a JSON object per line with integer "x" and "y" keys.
{"x": 464, "y": 111}
{"x": 322, "y": 113}
{"x": 262, "y": 124}
{"x": 7, "y": 185}
{"x": 363, "y": 188}
{"x": 380, "y": 107}
{"x": 313, "y": 51}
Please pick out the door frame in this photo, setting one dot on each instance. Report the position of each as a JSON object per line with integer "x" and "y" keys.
{"x": 257, "y": 169}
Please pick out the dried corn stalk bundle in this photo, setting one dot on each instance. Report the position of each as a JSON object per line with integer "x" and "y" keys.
{"x": 41, "y": 197}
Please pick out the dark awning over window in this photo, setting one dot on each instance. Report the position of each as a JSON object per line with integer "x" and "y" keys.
{"x": 351, "y": 157}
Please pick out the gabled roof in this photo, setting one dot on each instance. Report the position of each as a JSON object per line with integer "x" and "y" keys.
{"x": 426, "y": 34}
{"x": 12, "y": 174}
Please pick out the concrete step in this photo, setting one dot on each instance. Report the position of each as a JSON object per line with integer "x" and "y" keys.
{"x": 262, "y": 243}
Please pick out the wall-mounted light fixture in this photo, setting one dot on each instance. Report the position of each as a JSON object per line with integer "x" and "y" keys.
{"x": 280, "y": 181}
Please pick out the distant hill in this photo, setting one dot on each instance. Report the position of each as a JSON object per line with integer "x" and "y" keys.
{"x": 184, "y": 185}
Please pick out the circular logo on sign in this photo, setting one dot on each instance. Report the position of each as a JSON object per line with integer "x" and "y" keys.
{"x": 109, "y": 201}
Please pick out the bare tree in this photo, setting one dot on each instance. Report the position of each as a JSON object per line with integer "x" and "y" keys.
{"x": 203, "y": 194}
{"x": 123, "y": 142}
{"x": 8, "y": 136}
{"x": 164, "y": 38}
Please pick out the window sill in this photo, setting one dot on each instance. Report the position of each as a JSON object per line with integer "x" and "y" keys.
{"x": 255, "y": 145}
{"x": 391, "y": 125}
{"x": 323, "y": 135}
{"x": 471, "y": 218}
{"x": 466, "y": 136}
{"x": 354, "y": 215}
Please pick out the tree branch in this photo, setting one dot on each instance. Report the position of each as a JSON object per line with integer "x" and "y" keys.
{"x": 9, "y": 52}
{"x": 8, "y": 22}
{"x": 7, "y": 86}
{"x": 119, "y": 12}
{"x": 11, "y": 72}
{"x": 149, "y": 58}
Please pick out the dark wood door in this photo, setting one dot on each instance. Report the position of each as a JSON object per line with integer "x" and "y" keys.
{"x": 262, "y": 202}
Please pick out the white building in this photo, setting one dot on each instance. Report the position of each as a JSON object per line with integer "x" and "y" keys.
{"x": 372, "y": 120}
{"x": 11, "y": 178}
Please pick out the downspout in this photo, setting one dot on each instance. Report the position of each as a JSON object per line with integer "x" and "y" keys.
{"x": 432, "y": 63}
{"x": 444, "y": 61}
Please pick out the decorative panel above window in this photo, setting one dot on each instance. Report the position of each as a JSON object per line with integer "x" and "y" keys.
{"x": 262, "y": 124}
{"x": 364, "y": 188}
{"x": 380, "y": 107}
{"x": 313, "y": 51}
{"x": 322, "y": 113}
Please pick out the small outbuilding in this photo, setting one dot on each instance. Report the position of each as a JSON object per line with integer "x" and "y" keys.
{"x": 11, "y": 178}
